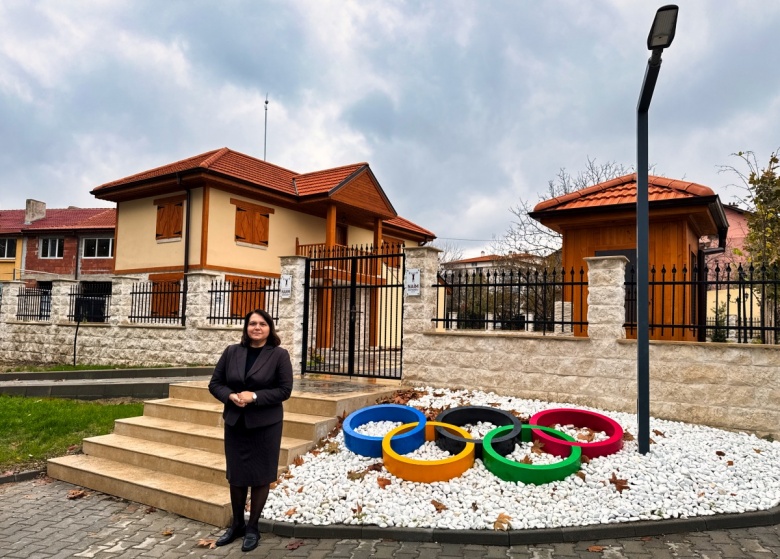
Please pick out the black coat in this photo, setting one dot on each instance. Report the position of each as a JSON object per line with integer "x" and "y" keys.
{"x": 270, "y": 378}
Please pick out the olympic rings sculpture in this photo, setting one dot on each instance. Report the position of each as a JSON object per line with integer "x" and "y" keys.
{"x": 448, "y": 433}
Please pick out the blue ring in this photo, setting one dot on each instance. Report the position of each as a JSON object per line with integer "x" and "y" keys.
{"x": 370, "y": 446}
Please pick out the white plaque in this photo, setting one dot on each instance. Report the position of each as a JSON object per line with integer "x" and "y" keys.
{"x": 412, "y": 281}
{"x": 285, "y": 286}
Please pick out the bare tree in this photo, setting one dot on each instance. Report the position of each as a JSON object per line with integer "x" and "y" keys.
{"x": 528, "y": 235}
{"x": 449, "y": 251}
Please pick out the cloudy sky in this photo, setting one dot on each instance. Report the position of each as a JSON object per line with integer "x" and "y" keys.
{"x": 459, "y": 107}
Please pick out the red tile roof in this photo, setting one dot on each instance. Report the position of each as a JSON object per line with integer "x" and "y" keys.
{"x": 405, "y": 224}
{"x": 322, "y": 182}
{"x": 622, "y": 190}
{"x": 222, "y": 160}
{"x": 12, "y": 221}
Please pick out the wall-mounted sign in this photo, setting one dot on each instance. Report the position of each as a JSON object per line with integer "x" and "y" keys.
{"x": 285, "y": 286}
{"x": 412, "y": 281}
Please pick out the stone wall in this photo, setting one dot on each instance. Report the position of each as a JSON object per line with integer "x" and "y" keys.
{"x": 733, "y": 386}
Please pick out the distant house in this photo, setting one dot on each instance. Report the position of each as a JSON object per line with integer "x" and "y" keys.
{"x": 38, "y": 245}
{"x": 601, "y": 221}
{"x": 494, "y": 261}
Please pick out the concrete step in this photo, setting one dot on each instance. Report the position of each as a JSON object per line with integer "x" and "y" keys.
{"x": 337, "y": 404}
{"x": 186, "y": 411}
{"x": 190, "y": 463}
{"x": 194, "y": 499}
{"x": 199, "y": 437}
{"x": 306, "y": 426}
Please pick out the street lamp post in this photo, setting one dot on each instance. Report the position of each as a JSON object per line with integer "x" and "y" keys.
{"x": 660, "y": 37}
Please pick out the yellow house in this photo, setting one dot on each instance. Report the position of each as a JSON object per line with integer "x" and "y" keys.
{"x": 230, "y": 213}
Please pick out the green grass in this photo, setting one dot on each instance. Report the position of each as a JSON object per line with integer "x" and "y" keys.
{"x": 33, "y": 430}
{"x": 42, "y": 368}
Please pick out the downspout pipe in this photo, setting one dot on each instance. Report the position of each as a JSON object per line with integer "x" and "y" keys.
{"x": 186, "y": 251}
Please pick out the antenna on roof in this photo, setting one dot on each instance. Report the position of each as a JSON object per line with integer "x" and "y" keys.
{"x": 265, "y": 132}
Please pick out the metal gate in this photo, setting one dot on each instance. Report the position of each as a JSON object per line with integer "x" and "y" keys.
{"x": 353, "y": 312}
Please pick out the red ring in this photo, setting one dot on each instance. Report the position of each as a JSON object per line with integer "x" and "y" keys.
{"x": 580, "y": 418}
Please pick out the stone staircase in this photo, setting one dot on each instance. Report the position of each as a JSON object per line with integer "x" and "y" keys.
{"x": 172, "y": 457}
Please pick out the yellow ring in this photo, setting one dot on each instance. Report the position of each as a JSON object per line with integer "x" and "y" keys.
{"x": 427, "y": 471}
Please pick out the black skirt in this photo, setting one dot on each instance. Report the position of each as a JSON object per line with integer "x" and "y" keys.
{"x": 252, "y": 455}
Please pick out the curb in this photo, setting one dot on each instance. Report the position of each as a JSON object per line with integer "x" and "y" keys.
{"x": 530, "y": 536}
{"x": 22, "y": 476}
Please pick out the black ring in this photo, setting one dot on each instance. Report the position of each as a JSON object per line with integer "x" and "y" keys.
{"x": 465, "y": 415}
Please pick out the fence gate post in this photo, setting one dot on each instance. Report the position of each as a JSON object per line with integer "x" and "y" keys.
{"x": 606, "y": 297}
{"x": 9, "y": 300}
{"x": 290, "y": 323}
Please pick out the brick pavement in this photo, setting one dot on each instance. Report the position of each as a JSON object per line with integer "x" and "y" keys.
{"x": 37, "y": 520}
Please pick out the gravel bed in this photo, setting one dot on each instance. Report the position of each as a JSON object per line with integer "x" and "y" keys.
{"x": 691, "y": 470}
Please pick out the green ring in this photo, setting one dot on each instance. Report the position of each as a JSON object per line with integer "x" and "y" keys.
{"x": 509, "y": 470}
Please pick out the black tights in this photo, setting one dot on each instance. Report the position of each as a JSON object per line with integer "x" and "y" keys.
{"x": 257, "y": 502}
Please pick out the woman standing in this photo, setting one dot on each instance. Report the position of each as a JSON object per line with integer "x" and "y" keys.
{"x": 252, "y": 379}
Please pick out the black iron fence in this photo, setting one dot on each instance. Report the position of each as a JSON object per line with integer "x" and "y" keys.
{"x": 157, "y": 302}
{"x": 530, "y": 300}
{"x": 230, "y": 300}
{"x": 33, "y": 303}
{"x": 90, "y": 302}
{"x": 720, "y": 303}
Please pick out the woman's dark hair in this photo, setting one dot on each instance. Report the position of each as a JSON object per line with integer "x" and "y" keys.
{"x": 273, "y": 337}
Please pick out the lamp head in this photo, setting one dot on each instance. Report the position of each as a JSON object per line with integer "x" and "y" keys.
{"x": 662, "y": 32}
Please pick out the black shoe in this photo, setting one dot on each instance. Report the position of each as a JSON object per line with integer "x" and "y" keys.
{"x": 251, "y": 539}
{"x": 231, "y": 534}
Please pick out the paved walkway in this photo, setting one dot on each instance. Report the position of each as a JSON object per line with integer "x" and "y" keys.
{"x": 38, "y": 520}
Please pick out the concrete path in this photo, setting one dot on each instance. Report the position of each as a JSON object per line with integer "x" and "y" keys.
{"x": 38, "y": 520}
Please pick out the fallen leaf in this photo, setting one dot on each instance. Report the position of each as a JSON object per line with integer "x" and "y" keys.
{"x": 375, "y": 467}
{"x": 295, "y": 544}
{"x": 298, "y": 460}
{"x": 474, "y": 506}
{"x": 76, "y": 494}
{"x": 730, "y": 463}
{"x": 526, "y": 460}
{"x": 439, "y": 506}
{"x": 355, "y": 475}
{"x": 580, "y": 475}
{"x": 167, "y": 532}
{"x": 537, "y": 447}
{"x": 586, "y": 434}
{"x": 274, "y": 484}
{"x": 502, "y": 522}
{"x": 627, "y": 436}
{"x": 315, "y": 452}
{"x": 620, "y": 484}
{"x": 358, "y": 509}
{"x": 758, "y": 450}
{"x": 211, "y": 543}
{"x": 150, "y": 510}
{"x": 584, "y": 459}
{"x": 651, "y": 441}
{"x": 494, "y": 404}
{"x": 332, "y": 447}
{"x": 720, "y": 453}
{"x": 300, "y": 489}
{"x": 658, "y": 433}
{"x": 596, "y": 548}
{"x": 383, "y": 482}
{"x": 290, "y": 512}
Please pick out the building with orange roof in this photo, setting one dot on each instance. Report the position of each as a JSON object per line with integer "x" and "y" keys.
{"x": 235, "y": 215}
{"x": 601, "y": 221}
{"x": 38, "y": 245}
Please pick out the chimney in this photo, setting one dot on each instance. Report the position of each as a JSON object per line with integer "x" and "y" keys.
{"x": 33, "y": 211}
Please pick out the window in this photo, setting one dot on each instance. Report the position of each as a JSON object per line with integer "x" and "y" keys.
{"x": 252, "y": 221}
{"x": 170, "y": 218}
{"x": 98, "y": 248}
{"x": 246, "y": 294}
{"x": 7, "y": 248}
{"x": 166, "y": 294}
{"x": 52, "y": 248}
